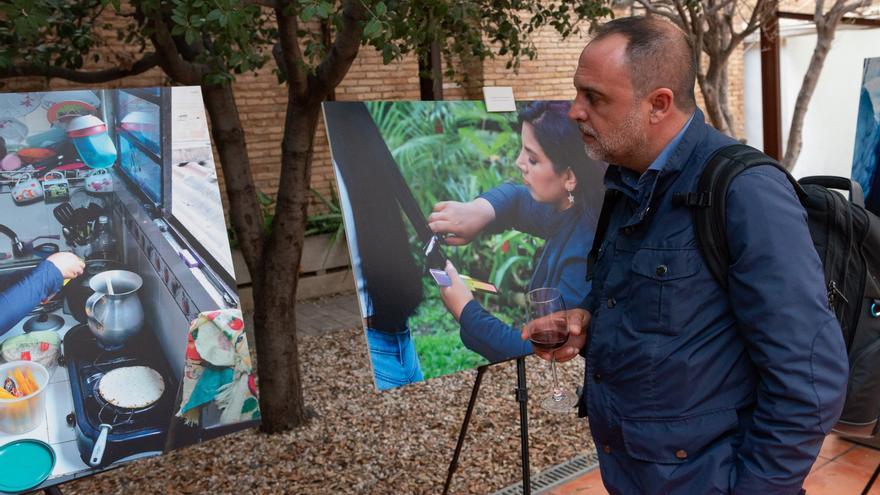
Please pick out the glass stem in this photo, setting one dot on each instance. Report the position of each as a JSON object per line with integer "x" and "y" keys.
{"x": 557, "y": 391}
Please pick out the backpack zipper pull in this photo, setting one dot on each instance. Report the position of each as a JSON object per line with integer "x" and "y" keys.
{"x": 833, "y": 292}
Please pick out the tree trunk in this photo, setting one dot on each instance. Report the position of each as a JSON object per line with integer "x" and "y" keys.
{"x": 274, "y": 296}
{"x": 712, "y": 101}
{"x": 729, "y": 120}
{"x": 430, "y": 73}
{"x": 824, "y": 38}
{"x": 244, "y": 209}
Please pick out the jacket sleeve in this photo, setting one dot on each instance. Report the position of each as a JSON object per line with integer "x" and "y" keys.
{"x": 516, "y": 209}
{"x": 20, "y": 298}
{"x": 778, "y": 296}
{"x": 490, "y": 337}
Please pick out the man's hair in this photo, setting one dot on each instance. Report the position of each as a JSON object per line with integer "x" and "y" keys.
{"x": 659, "y": 54}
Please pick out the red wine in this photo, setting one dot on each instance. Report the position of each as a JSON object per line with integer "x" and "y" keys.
{"x": 548, "y": 340}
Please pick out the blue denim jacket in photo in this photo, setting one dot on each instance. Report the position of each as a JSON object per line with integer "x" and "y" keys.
{"x": 562, "y": 264}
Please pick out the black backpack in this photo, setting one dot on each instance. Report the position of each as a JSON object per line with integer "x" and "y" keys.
{"x": 847, "y": 238}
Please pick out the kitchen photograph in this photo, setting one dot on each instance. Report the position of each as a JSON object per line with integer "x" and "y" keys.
{"x": 121, "y": 335}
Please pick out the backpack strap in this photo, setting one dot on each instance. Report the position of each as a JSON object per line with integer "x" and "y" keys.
{"x": 709, "y": 202}
{"x": 601, "y": 229}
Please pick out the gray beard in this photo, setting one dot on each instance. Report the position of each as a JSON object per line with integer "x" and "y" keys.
{"x": 626, "y": 143}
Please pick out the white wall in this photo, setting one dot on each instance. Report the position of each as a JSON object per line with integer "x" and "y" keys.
{"x": 830, "y": 123}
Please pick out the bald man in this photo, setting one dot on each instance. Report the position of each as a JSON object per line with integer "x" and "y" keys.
{"x": 691, "y": 388}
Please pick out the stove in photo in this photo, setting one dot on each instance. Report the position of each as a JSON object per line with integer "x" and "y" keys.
{"x": 106, "y": 431}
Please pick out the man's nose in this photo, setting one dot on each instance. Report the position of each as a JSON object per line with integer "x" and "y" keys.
{"x": 578, "y": 111}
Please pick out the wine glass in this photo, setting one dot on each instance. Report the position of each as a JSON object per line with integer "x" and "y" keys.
{"x": 548, "y": 331}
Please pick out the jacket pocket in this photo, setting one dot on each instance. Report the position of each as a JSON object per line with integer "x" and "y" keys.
{"x": 674, "y": 441}
{"x": 659, "y": 299}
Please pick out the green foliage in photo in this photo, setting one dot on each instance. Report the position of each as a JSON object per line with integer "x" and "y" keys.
{"x": 455, "y": 151}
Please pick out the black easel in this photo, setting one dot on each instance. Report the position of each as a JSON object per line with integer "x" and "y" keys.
{"x": 53, "y": 490}
{"x": 522, "y": 398}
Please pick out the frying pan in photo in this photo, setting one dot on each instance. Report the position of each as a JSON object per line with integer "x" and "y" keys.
{"x": 123, "y": 393}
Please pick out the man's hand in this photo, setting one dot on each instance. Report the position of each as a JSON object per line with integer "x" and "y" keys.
{"x": 578, "y": 322}
{"x": 457, "y": 295}
{"x": 69, "y": 264}
{"x": 463, "y": 220}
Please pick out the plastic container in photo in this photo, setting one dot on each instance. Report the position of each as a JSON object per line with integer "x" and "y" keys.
{"x": 89, "y": 136}
{"x": 23, "y": 414}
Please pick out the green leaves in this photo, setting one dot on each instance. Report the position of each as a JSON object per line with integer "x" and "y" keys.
{"x": 47, "y": 32}
{"x": 372, "y": 28}
{"x": 226, "y": 36}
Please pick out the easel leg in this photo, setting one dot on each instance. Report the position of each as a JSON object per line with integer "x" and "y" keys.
{"x": 464, "y": 426}
{"x": 871, "y": 481}
{"x": 53, "y": 490}
{"x": 522, "y": 398}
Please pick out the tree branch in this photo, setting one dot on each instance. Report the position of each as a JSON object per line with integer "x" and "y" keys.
{"x": 763, "y": 9}
{"x": 147, "y": 62}
{"x": 171, "y": 60}
{"x": 651, "y": 8}
{"x": 292, "y": 63}
{"x": 272, "y": 4}
{"x": 333, "y": 68}
{"x": 711, "y": 10}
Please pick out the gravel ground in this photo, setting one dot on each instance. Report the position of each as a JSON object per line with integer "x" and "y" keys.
{"x": 362, "y": 441}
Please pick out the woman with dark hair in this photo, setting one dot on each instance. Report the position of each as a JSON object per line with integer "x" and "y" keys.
{"x": 559, "y": 201}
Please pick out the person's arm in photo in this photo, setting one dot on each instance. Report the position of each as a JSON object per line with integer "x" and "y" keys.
{"x": 505, "y": 207}
{"x": 481, "y": 332}
{"x": 41, "y": 282}
{"x": 777, "y": 294}
{"x": 515, "y": 208}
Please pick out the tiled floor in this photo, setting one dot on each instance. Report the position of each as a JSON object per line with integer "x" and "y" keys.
{"x": 843, "y": 468}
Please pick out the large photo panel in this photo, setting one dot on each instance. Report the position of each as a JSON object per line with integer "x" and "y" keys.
{"x": 145, "y": 351}
{"x": 452, "y": 215}
{"x": 866, "y": 154}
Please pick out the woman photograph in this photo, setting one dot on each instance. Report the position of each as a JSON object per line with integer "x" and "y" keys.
{"x": 510, "y": 200}
{"x": 558, "y": 201}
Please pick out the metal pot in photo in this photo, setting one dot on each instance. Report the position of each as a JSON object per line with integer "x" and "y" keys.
{"x": 114, "y": 311}
{"x": 77, "y": 291}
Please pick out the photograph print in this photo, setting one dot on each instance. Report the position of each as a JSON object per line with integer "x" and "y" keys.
{"x": 121, "y": 335}
{"x": 452, "y": 216}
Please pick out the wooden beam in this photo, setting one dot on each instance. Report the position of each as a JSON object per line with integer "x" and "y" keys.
{"x": 770, "y": 91}
{"x": 851, "y": 20}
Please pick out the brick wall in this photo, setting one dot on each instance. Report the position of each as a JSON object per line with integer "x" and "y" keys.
{"x": 547, "y": 77}
{"x": 262, "y": 101}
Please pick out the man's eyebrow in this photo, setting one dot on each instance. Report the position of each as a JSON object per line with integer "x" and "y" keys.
{"x": 588, "y": 89}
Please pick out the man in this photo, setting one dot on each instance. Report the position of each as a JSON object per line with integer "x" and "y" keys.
{"x": 689, "y": 388}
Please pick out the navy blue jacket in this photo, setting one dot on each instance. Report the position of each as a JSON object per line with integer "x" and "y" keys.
{"x": 693, "y": 389}
{"x": 23, "y": 296}
{"x": 562, "y": 264}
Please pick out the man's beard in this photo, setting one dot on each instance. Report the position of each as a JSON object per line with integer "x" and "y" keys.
{"x": 617, "y": 146}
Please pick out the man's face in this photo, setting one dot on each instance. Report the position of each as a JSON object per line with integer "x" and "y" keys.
{"x": 612, "y": 120}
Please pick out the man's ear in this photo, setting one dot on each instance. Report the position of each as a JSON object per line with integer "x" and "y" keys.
{"x": 662, "y": 101}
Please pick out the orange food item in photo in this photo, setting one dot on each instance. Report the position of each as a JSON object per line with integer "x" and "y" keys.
{"x": 24, "y": 386}
{"x": 32, "y": 382}
{"x": 5, "y": 395}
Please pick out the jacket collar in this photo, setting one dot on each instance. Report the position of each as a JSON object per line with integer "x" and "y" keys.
{"x": 675, "y": 161}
